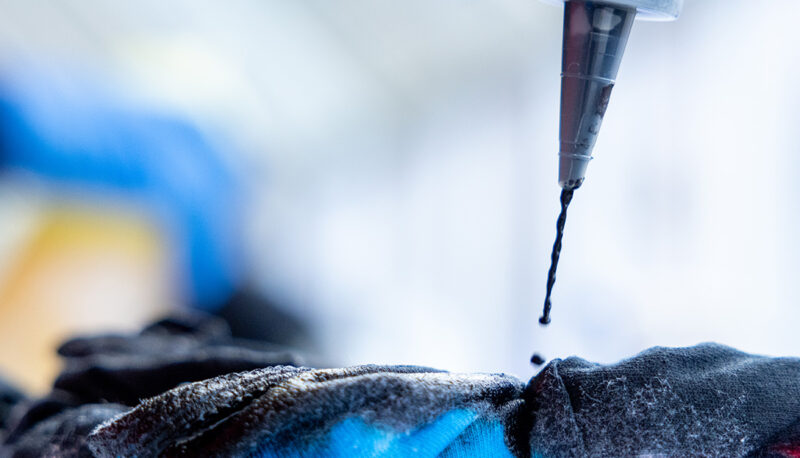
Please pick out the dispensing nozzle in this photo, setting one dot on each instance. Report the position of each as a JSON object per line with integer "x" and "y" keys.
{"x": 594, "y": 40}
{"x": 595, "y": 34}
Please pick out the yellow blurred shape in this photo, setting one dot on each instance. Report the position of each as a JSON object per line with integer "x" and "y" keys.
{"x": 84, "y": 270}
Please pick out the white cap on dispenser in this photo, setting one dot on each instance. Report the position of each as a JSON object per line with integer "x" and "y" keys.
{"x": 646, "y": 10}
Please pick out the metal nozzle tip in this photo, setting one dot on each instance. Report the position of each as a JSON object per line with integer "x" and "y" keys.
{"x": 572, "y": 169}
{"x": 571, "y": 185}
{"x": 595, "y": 35}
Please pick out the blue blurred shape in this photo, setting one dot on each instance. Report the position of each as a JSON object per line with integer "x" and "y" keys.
{"x": 69, "y": 130}
{"x": 458, "y": 433}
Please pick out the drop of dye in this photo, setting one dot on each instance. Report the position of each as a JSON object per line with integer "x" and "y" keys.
{"x": 566, "y": 197}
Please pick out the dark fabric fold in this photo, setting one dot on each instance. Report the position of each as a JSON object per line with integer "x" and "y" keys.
{"x": 62, "y": 434}
{"x": 108, "y": 374}
{"x": 238, "y": 414}
{"x": 128, "y": 368}
{"x": 706, "y": 400}
{"x": 10, "y": 397}
{"x": 184, "y": 387}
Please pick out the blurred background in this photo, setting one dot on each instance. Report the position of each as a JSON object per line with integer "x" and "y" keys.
{"x": 385, "y": 173}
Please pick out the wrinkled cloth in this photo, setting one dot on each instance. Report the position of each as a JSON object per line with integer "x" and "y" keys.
{"x": 359, "y": 411}
{"x": 126, "y": 369}
{"x": 10, "y": 396}
{"x": 706, "y": 400}
{"x": 63, "y": 434}
{"x": 108, "y": 374}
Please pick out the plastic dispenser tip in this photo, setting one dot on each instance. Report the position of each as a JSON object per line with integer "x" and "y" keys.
{"x": 595, "y": 35}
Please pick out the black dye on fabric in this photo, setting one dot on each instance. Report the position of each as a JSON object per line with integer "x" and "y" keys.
{"x": 566, "y": 197}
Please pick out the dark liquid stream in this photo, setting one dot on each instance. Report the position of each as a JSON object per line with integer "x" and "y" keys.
{"x": 566, "y": 197}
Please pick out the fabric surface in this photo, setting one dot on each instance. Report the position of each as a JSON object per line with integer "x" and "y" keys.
{"x": 10, "y": 396}
{"x": 707, "y": 400}
{"x": 108, "y": 374}
{"x": 126, "y": 369}
{"x": 63, "y": 434}
{"x": 123, "y": 396}
{"x": 282, "y": 411}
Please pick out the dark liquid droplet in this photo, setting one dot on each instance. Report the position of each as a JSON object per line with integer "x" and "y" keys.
{"x": 566, "y": 197}
{"x": 537, "y": 359}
